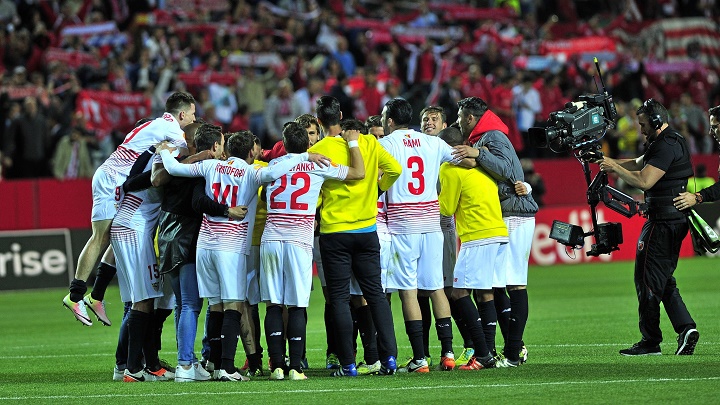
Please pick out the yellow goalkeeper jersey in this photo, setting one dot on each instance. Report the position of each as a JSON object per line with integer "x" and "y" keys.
{"x": 352, "y": 205}
{"x": 472, "y": 196}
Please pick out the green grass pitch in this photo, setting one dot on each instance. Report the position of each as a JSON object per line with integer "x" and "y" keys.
{"x": 580, "y": 316}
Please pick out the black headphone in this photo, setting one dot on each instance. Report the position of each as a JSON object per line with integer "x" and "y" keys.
{"x": 655, "y": 120}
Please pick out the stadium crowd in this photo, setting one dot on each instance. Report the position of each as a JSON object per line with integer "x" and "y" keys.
{"x": 257, "y": 64}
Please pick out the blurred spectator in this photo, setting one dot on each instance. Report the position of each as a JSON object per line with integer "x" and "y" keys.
{"x": 426, "y": 18}
{"x": 449, "y": 97}
{"x": 279, "y": 109}
{"x": 700, "y": 181}
{"x": 697, "y": 125}
{"x": 628, "y": 128}
{"x": 370, "y": 98}
{"x": 253, "y": 93}
{"x": 528, "y": 105}
{"x": 347, "y": 104}
{"x": 344, "y": 57}
{"x": 28, "y": 143}
{"x": 224, "y": 101}
{"x": 72, "y": 157}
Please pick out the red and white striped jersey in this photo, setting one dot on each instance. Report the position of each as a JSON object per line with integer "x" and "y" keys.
{"x": 412, "y": 201}
{"x": 140, "y": 139}
{"x": 140, "y": 210}
{"x": 292, "y": 201}
{"x": 382, "y": 226}
{"x": 233, "y": 182}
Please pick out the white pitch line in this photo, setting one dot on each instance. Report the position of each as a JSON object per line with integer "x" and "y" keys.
{"x": 364, "y": 389}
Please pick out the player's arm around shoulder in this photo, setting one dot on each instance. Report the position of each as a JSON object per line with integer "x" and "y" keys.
{"x": 450, "y": 186}
{"x": 356, "y": 171}
{"x": 176, "y": 168}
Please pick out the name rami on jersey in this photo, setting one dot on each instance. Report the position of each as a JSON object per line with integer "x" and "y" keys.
{"x": 229, "y": 170}
{"x": 304, "y": 167}
{"x": 411, "y": 143}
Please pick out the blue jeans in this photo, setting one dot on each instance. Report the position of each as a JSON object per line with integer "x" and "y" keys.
{"x": 121, "y": 354}
{"x": 185, "y": 286}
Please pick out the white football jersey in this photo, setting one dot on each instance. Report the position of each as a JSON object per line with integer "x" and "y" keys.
{"x": 232, "y": 182}
{"x": 382, "y": 226}
{"x": 292, "y": 200}
{"x": 140, "y": 210}
{"x": 412, "y": 201}
{"x": 140, "y": 139}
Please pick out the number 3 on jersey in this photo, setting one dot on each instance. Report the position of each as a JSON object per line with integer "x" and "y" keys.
{"x": 294, "y": 181}
{"x": 416, "y": 164}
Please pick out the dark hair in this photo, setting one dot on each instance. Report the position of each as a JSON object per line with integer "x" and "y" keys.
{"x": 434, "y": 109}
{"x": 206, "y": 136}
{"x": 452, "y": 136}
{"x": 373, "y": 121}
{"x": 179, "y": 101}
{"x": 306, "y": 120}
{"x": 652, "y": 107}
{"x": 327, "y": 110}
{"x": 715, "y": 112}
{"x": 473, "y": 105}
{"x": 400, "y": 111}
{"x": 142, "y": 121}
{"x": 295, "y": 137}
{"x": 353, "y": 124}
{"x": 256, "y": 140}
{"x": 239, "y": 144}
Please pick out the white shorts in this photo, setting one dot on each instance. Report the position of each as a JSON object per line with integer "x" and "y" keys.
{"x": 222, "y": 275}
{"x": 385, "y": 253}
{"x": 415, "y": 262}
{"x": 354, "y": 286}
{"x": 285, "y": 273}
{"x": 107, "y": 194}
{"x": 253, "y": 276}
{"x": 167, "y": 301}
{"x": 480, "y": 266}
{"x": 521, "y": 231}
{"x": 135, "y": 259}
{"x": 449, "y": 256}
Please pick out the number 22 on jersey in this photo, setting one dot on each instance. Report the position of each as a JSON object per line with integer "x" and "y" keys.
{"x": 295, "y": 180}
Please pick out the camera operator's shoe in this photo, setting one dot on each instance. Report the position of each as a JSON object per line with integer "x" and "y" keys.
{"x": 687, "y": 342}
{"x": 642, "y": 348}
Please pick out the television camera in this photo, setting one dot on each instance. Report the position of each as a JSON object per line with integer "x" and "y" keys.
{"x": 579, "y": 128}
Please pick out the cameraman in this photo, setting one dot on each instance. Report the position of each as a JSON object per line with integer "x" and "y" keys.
{"x": 662, "y": 173}
{"x": 711, "y": 193}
